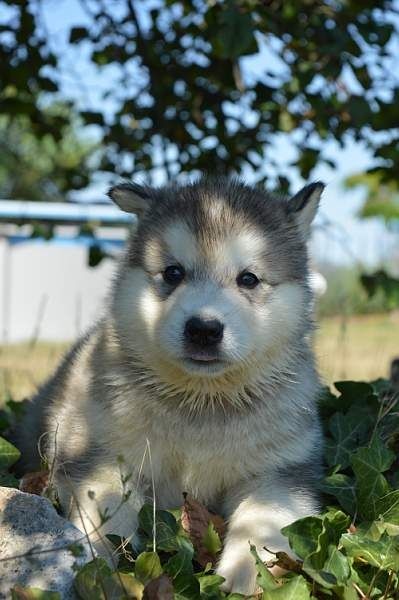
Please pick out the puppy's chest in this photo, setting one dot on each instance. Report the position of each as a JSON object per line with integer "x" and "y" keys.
{"x": 203, "y": 464}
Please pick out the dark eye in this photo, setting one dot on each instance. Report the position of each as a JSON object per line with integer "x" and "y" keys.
{"x": 174, "y": 274}
{"x": 247, "y": 280}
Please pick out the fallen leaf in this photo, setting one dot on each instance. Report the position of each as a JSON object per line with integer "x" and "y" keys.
{"x": 160, "y": 588}
{"x": 196, "y": 520}
{"x": 287, "y": 563}
{"x": 34, "y": 483}
{"x": 27, "y": 593}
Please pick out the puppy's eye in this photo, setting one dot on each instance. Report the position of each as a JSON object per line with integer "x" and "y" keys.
{"x": 173, "y": 274}
{"x": 247, "y": 280}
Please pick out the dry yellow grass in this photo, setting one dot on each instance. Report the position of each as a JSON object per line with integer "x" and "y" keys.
{"x": 23, "y": 367}
{"x": 360, "y": 347}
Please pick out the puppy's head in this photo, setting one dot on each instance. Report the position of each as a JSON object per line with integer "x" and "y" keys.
{"x": 215, "y": 277}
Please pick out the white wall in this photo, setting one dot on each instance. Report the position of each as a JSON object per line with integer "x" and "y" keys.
{"x": 58, "y": 274}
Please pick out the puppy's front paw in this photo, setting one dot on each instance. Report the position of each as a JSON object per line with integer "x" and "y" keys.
{"x": 237, "y": 566}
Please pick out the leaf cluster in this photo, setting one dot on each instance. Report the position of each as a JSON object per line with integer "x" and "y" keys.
{"x": 349, "y": 551}
{"x": 183, "y": 96}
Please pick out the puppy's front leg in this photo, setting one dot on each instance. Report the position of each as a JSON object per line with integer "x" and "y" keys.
{"x": 256, "y": 512}
{"x": 101, "y": 503}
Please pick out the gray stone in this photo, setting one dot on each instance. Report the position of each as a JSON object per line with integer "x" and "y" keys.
{"x": 34, "y": 542}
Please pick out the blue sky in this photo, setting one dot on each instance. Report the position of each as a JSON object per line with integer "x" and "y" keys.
{"x": 350, "y": 240}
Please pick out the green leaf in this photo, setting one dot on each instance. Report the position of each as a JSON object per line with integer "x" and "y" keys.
{"x": 387, "y": 507}
{"x": 210, "y": 586}
{"x": 342, "y": 487}
{"x": 186, "y": 587}
{"x": 78, "y": 34}
{"x": 93, "y": 117}
{"x": 368, "y": 464}
{"x": 122, "y": 586}
{"x": 354, "y": 391}
{"x": 29, "y": 593}
{"x": 168, "y": 537}
{"x": 264, "y": 579}
{"x": 96, "y": 581}
{"x": 235, "y": 35}
{"x": 9, "y": 454}
{"x": 180, "y": 564}
{"x": 211, "y": 540}
{"x": 9, "y": 480}
{"x": 383, "y": 553}
{"x": 303, "y": 535}
{"x": 147, "y": 567}
{"x": 295, "y": 589}
{"x": 346, "y": 431}
{"x": 89, "y": 579}
{"x": 314, "y": 539}
{"x": 337, "y": 564}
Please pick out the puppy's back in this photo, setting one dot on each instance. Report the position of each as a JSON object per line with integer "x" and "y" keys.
{"x": 32, "y": 426}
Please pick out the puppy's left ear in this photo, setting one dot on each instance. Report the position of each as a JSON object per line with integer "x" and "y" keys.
{"x": 131, "y": 197}
{"x": 304, "y": 205}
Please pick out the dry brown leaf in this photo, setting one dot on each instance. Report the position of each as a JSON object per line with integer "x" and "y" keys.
{"x": 286, "y": 563}
{"x": 195, "y": 521}
{"x": 160, "y": 588}
{"x": 34, "y": 483}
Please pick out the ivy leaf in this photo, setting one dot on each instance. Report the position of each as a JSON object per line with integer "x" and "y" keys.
{"x": 211, "y": 540}
{"x": 368, "y": 465}
{"x": 354, "y": 391}
{"x": 180, "y": 564}
{"x": 295, "y": 589}
{"x": 264, "y": 579}
{"x": 326, "y": 565}
{"x": 89, "y": 579}
{"x": 9, "y": 480}
{"x": 382, "y": 553}
{"x": 9, "y": 454}
{"x": 342, "y": 487}
{"x": 166, "y": 528}
{"x": 387, "y": 507}
{"x": 303, "y": 535}
{"x": 346, "y": 431}
{"x": 147, "y": 567}
{"x": 29, "y": 593}
{"x": 210, "y": 586}
{"x": 96, "y": 581}
{"x": 186, "y": 587}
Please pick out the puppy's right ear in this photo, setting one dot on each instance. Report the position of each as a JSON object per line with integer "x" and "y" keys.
{"x": 131, "y": 197}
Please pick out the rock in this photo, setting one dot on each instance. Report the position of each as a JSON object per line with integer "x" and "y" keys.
{"x": 34, "y": 540}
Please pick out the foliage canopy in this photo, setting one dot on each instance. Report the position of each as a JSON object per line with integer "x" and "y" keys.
{"x": 187, "y": 94}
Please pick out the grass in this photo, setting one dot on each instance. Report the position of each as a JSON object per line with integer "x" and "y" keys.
{"x": 358, "y": 347}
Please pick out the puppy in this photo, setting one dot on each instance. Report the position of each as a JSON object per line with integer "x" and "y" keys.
{"x": 201, "y": 362}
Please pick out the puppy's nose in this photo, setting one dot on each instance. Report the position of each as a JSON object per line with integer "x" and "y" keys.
{"x": 203, "y": 332}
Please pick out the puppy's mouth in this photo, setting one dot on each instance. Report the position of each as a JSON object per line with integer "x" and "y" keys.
{"x": 202, "y": 356}
{"x": 208, "y": 362}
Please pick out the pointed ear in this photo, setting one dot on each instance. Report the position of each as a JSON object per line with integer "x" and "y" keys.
{"x": 304, "y": 205}
{"x": 131, "y": 197}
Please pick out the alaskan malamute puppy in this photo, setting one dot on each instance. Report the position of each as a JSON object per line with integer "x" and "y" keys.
{"x": 202, "y": 362}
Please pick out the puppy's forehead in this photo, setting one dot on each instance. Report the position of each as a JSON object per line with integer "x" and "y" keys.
{"x": 226, "y": 247}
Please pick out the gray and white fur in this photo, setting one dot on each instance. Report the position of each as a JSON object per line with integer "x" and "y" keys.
{"x": 207, "y": 370}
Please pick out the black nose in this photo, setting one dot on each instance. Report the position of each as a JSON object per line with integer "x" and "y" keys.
{"x": 204, "y": 332}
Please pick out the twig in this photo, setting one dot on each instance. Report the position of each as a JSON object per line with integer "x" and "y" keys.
{"x": 154, "y": 510}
